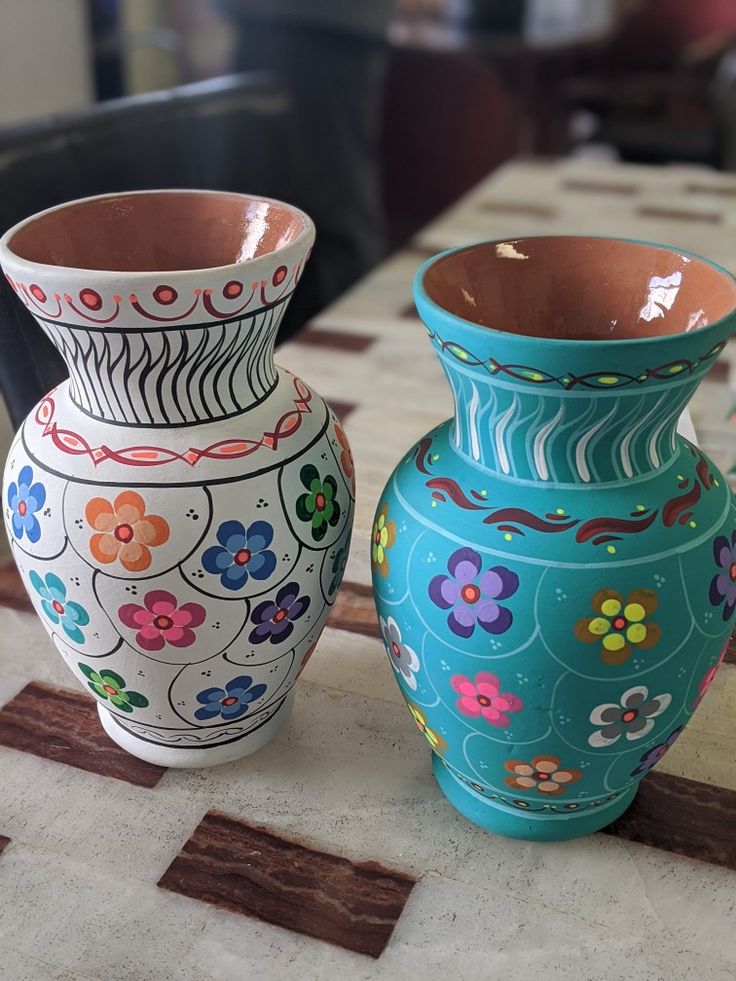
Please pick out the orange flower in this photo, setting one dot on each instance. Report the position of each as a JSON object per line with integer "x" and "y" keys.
{"x": 346, "y": 457}
{"x": 124, "y": 531}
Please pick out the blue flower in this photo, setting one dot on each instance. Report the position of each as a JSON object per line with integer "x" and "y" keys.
{"x": 57, "y": 608}
{"x": 241, "y": 553}
{"x": 24, "y": 499}
{"x": 230, "y": 702}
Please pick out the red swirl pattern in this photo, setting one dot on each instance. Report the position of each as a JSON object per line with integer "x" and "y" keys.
{"x": 90, "y": 306}
{"x": 74, "y": 444}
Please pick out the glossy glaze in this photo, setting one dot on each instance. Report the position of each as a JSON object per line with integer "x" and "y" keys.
{"x": 575, "y": 288}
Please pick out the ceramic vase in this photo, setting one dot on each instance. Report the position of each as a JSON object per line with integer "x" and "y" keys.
{"x": 180, "y": 509}
{"x": 555, "y": 567}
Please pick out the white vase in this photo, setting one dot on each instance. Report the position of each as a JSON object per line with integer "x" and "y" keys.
{"x": 179, "y": 510}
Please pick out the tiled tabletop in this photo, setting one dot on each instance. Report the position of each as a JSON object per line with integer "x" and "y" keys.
{"x": 331, "y": 853}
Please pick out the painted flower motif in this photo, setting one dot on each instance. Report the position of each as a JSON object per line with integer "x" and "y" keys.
{"x": 242, "y": 552}
{"x": 318, "y": 506}
{"x": 483, "y": 697}
{"x": 436, "y": 741}
{"x": 230, "y": 702}
{"x": 471, "y": 595}
{"x": 543, "y": 773}
{"x": 633, "y": 716}
{"x": 68, "y": 614}
{"x": 346, "y": 456}
{"x": 162, "y": 621}
{"x": 124, "y": 531}
{"x": 655, "y": 754}
{"x": 403, "y": 658}
{"x": 275, "y": 618}
{"x": 382, "y": 538}
{"x": 24, "y": 499}
{"x": 338, "y": 569}
{"x": 707, "y": 680}
{"x": 109, "y": 685}
{"x": 723, "y": 584}
{"x": 620, "y": 625}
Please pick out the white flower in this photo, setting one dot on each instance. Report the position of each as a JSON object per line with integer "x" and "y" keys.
{"x": 403, "y": 659}
{"x": 632, "y": 716}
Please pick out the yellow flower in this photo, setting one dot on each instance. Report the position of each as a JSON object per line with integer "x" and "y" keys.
{"x": 437, "y": 743}
{"x": 382, "y": 538}
{"x": 620, "y": 624}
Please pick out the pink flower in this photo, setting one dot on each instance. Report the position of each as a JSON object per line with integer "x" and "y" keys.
{"x": 707, "y": 679}
{"x": 484, "y": 697}
{"x": 161, "y": 621}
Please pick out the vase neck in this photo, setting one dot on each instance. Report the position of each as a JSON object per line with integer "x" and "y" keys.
{"x": 535, "y": 433}
{"x": 175, "y": 375}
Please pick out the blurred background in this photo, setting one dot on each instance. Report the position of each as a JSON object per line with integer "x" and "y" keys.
{"x": 372, "y": 115}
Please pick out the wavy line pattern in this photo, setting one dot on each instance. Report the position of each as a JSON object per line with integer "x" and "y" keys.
{"x": 173, "y": 377}
{"x": 549, "y": 437}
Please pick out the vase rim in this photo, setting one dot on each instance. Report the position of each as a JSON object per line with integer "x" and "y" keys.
{"x": 296, "y": 237}
{"x": 431, "y": 305}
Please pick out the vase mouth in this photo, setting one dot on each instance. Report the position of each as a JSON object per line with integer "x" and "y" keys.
{"x": 155, "y": 231}
{"x": 567, "y": 288}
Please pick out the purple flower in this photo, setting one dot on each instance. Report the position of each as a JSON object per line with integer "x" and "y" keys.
{"x": 471, "y": 595}
{"x": 274, "y": 618}
{"x": 655, "y": 754}
{"x": 723, "y": 585}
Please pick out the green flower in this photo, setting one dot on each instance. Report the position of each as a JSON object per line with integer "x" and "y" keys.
{"x": 109, "y": 685}
{"x": 318, "y": 506}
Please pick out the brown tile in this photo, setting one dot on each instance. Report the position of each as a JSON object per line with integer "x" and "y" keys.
{"x": 600, "y": 187}
{"x": 258, "y": 873}
{"x": 730, "y": 655}
{"x": 422, "y": 252}
{"x": 682, "y": 816}
{"x": 12, "y": 590}
{"x": 355, "y": 611}
{"x": 723, "y": 192}
{"x": 4, "y": 842}
{"x": 341, "y": 409}
{"x": 676, "y": 214}
{"x": 518, "y": 208}
{"x": 336, "y": 340}
{"x": 719, "y": 371}
{"x": 63, "y": 725}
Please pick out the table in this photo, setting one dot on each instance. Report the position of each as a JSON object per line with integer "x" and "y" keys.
{"x": 90, "y": 834}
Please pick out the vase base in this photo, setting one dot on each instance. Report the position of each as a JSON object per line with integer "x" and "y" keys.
{"x": 502, "y": 820}
{"x": 181, "y": 756}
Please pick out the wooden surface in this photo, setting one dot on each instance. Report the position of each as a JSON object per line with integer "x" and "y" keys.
{"x": 253, "y": 871}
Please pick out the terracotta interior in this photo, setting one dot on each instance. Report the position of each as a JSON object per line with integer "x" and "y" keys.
{"x": 580, "y": 288}
{"x": 158, "y": 231}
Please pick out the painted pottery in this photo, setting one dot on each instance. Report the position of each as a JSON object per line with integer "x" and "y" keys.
{"x": 555, "y": 568}
{"x": 180, "y": 510}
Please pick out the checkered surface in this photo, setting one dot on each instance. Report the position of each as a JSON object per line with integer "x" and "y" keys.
{"x": 333, "y": 842}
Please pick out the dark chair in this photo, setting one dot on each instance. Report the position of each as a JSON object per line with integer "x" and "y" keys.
{"x": 231, "y": 133}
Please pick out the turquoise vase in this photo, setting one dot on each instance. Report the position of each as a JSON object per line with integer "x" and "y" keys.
{"x": 554, "y": 568}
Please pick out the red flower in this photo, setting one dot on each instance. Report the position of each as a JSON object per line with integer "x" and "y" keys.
{"x": 161, "y": 621}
